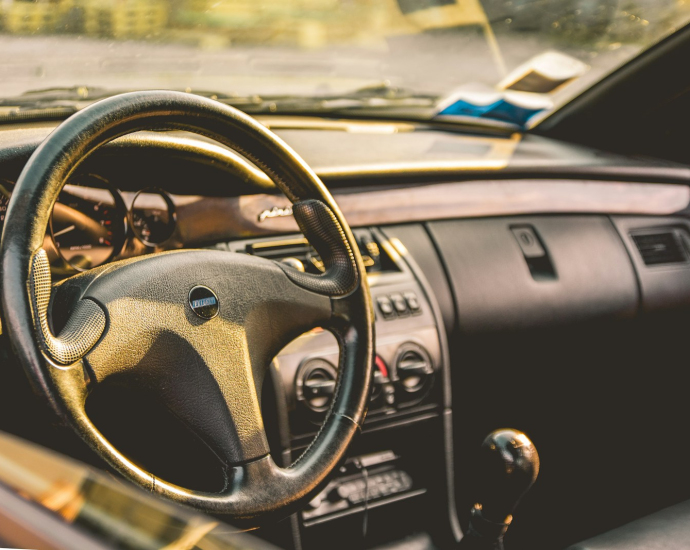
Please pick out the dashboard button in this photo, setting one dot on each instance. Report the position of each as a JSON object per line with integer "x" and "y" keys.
{"x": 385, "y": 307}
{"x": 528, "y": 241}
{"x": 399, "y": 304}
{"x": 412, "y": 301}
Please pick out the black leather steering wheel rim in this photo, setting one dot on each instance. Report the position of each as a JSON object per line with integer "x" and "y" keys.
{"x": 337, "y": 300}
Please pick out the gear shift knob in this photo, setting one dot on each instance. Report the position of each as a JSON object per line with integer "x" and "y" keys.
{"x": 509, "y": 465}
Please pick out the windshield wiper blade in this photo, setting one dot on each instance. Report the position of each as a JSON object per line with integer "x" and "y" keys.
{"x": 385, "y": 90}
{"x": 375, "y": 98}
{"x": 47, "y": 96}
{"x": 62, "y": 102}
{"x": 10, "y": 114}
{"x": 49, "y": 103}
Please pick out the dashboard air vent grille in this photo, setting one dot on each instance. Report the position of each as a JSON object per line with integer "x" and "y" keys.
{"x": 660, "y": 248}
{"x": 276, "y": 250}
{"x": 298, "y": 251}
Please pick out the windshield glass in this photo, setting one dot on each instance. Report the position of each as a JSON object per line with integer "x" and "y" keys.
{"x": 508, "y": 60}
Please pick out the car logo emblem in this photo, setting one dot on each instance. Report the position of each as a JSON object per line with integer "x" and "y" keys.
{"x": 275, "y": 212}
{"x": 204, "y": 302}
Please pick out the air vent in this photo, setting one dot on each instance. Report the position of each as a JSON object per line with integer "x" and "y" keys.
{"x": 299, "y": 253}
{"x": 297, "y": 248}
{"x": 660, "y": 248}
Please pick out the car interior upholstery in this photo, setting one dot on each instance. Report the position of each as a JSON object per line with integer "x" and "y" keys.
{"x": 356, "y": 333}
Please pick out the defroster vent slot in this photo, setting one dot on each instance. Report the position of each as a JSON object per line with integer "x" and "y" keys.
{"x": 660, "y": 247}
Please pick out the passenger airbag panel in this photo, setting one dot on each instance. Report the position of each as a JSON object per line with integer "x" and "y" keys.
{"x": 495, "y": 289}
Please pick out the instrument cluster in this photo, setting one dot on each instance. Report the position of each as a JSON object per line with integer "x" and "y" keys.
{"x": 92, "y": 222}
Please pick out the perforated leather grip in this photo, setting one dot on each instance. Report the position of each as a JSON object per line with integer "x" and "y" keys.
{"x": 83, "y": 329}
{"x": 321, "y": 228}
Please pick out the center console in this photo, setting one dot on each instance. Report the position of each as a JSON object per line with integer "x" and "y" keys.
{"x": 393, "y": 481}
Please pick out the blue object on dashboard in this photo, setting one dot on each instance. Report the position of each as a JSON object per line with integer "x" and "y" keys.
{"x": 500, "y": 110}
{"x": 506, "y": 107}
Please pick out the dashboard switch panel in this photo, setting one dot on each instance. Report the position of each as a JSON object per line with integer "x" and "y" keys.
{"x": 399, "y": 304}
{"x": 408, "y": 345}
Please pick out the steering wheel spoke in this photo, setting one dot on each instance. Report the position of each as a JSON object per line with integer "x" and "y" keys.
{"x": 85, "y": 325}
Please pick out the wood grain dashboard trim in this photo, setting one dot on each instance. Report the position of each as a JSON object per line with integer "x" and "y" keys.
{"x": 204, "y": 220}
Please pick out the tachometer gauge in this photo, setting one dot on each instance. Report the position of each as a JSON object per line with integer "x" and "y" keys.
{"x": 152, "y": 216}
{"x": 88, "y": 224}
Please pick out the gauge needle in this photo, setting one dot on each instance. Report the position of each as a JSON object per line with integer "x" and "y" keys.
{"x": 65, "y": 230}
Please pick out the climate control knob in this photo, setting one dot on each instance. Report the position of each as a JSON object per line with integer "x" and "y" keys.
{"x": 414, "y": 372}
{"x": 315, "y": 384}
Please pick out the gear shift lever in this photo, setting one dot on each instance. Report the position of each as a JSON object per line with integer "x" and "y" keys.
{"x": 509, "y": 465}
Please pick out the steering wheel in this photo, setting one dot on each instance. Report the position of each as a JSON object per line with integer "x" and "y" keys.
{"x": 198, "y": 328}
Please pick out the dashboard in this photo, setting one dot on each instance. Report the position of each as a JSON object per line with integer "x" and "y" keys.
{"x": 94, "y": 222}
{"x": 516, "y": 281}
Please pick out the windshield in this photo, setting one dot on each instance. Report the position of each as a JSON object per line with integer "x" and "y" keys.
{"x": 508, "y": 60}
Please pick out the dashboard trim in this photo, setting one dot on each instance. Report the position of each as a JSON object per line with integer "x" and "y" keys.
{"x": 527, "y": 156}
{"x": 234, "y": 217}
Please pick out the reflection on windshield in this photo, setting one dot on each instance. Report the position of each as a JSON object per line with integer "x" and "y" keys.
{"x": 327, "y": 47}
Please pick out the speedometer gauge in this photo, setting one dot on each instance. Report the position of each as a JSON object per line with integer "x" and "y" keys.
{"x": 88, "y": 224}
{"x": 153, "y": 216}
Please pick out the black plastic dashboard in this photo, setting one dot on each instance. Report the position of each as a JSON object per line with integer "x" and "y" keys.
{"x": 475, "y": 241}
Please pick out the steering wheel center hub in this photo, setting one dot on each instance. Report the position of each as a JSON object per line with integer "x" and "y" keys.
{"x": 204, "y": 302}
